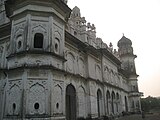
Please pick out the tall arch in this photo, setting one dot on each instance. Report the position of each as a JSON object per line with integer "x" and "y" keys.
{"x": 112, "y": 102}
{"x": 126, "y": 104}
{"x": 108, "y": 97}
{"x": 14, "y": 101}
{"x": 81, "y": 102}
{"x": 70, "y": 102}
{"x": 58, "y": 99}
{"x": 37, "y": 99}
{"x": 99, "y": 103}
{"x": 117, "y": 102}
{"x": 133, "y": 105}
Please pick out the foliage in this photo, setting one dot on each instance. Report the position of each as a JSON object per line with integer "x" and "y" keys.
{"x": 150, "y": 103}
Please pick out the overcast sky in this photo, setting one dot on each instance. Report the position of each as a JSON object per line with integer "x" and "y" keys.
{"x": 139, "y": 20}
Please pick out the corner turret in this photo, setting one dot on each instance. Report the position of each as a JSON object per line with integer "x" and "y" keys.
{"x": 126, "y": 55}
{"x": 127, "y": 58}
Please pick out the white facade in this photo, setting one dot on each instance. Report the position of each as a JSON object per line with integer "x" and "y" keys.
{"x": 53, "y": 67}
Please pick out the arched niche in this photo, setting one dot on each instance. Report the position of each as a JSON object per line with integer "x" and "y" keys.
{"x": 14, "y": 100}
{"x": 81, "y": 102}
{"x": 58, "y": 106}
{"x": 81, "y": 66}
{"x": 113, "y": 101}
{"x": 70, "y": 62}
{"x": 98, "y": 72}
{"x": 18, "y": 40}
{"x": 117, "y": 102}
{"x": 58, "y": 45}
{"x": 39, "y": 37}
{"x": 37, "y": 99}
{"x": 108, "y": 97}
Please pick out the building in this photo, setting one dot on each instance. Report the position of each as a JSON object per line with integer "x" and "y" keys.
{"x": 53, "y": 67}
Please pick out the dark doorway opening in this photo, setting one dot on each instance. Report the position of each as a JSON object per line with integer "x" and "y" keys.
{"x": 99, "y": 103}
{"x": 70, "y": 103}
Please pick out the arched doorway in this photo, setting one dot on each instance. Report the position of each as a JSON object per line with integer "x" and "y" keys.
{"x": 126, "y": 104}
{"x": 70, "y": 103}
{"x": 99, "y": 102}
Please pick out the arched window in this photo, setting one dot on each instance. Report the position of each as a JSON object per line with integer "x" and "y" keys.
{"x": 99, "y": 102}
{"x": 57, "y": 45}
{"x": 38, "y": 40}
{"x": 126, "y": 104}
{"x": 117, "y": 102}
{"x": 19, "y": 42}
{"x": 107, "y": 100}
{"x": 113, "y": 102}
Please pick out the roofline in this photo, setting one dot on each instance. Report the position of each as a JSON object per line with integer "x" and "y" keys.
{"x": 88, "y": 48}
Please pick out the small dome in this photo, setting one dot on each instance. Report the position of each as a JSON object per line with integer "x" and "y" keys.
{"x": 124, "y": 41}
{"x": 76, "y": 12}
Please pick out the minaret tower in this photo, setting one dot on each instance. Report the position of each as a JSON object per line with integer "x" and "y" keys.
{"x": 128, "y": 65}
{"x": 36, "y": 52}
{"x": 126, "y": 55}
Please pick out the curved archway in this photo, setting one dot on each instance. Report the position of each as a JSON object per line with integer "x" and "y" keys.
{"x": 70, "y": 102}
{"x": 117, "y": 102}
{"x": 126, "y": 104}
{"x": 112, "y": 102}
{"x": 108, "y": 96}
{"x": 99, "y": 102}
{"x": 81, "y": 102}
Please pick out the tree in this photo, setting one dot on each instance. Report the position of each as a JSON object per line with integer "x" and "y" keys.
{"x": 150, "y": 103}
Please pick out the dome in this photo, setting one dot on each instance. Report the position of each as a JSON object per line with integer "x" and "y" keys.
{"x": 76, "y": 12}
{"x": 124, "y": 41}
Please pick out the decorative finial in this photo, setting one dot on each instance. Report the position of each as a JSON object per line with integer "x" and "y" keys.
{"x": 123, "y": 34}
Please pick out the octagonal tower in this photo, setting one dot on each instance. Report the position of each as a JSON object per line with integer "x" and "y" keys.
{"x": 36, "y": 49}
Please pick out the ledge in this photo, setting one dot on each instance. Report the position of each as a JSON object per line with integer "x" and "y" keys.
{"x": 39, "y": 52}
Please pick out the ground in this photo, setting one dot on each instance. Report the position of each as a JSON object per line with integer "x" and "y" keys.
{"x": 139, "y": 117}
